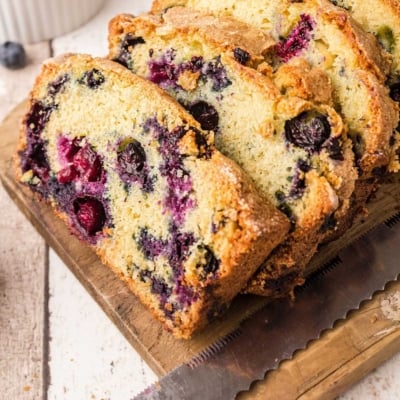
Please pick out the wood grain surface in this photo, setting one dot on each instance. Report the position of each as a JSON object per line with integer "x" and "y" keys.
{"x": 342, "y": 356}
{"x": 23, "y": 274}
{"x": 323, "y": 370}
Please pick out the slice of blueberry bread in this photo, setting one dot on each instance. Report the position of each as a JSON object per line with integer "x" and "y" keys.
{"x": 278, "y": 18}
{"x": 327, "y": 37}
{"x": 134, "y": 176}
{"x": 296, "y": 152}
{"x": 382, "y": 19}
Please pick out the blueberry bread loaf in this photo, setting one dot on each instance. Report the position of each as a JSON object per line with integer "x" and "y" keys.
{"x": 382, "y": 19}
{"x": 327, "y": 37}
{"x": 296, "y": 152}
{"x": 135, "y": 177}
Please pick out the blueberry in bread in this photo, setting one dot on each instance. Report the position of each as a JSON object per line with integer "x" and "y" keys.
{"x": 328, "y": 38}
{"x": 296, "y": 152}
{"x": 135, "y": 177}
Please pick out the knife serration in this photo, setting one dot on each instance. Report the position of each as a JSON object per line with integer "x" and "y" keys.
{"x": 280, "y": 328}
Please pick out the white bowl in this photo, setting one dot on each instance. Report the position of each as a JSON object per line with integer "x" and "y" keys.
{"x": 29, "y": 21}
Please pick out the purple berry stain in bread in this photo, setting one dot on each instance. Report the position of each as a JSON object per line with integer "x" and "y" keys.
{"x": 216, "y": 72}
{"x": 132, "y": 164}
{"x": 90, "y": 214}
{"x": 86, "y": 207}
{"x": 37, "y": 162}
{"x": 309, "y": 131}
{"x": 297, "y": 40}
{"x": 56, "y": 87}
{"x": 34, "y": 157}
{"x": 80, "y": 186}
{"x": 150, "y": 246}
{"x": 178, "y": 199}
{"x": 80, "y": 161}
{"x": 92, "y": 79}
{"x": 161, "y": 288}
{"x": 298, "y": 182}
{"x": 176, "y": 249}
{"x": 334, "y": 148}
{"x": 37, "y": 118}
{"x": 205, "y": 114}
{"x": 296, "y": 190}
{"x": 165, "y": 72}
{"x": 127, "y": 45}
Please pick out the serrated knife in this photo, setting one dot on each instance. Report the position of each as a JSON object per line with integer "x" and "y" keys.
{"x": 276, "y": 331}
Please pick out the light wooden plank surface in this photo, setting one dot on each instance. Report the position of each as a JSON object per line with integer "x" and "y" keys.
{"x": 329, "y": 366}
{"x": 23, "y": 270}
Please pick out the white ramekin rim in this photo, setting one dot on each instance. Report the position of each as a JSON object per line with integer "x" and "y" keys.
{"x": 30, "y": 21}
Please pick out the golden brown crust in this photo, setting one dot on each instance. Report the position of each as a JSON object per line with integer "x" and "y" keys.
{"x": 384, "y": 23}
{"x": 383, "y": 121}
{"x": 298, "y": 78}
{"x": 292, "y": 256}
{"x": 369, "y": 55}
{"x": 160, "y": 6}
{"x": 367, "y": 51}
{"x": 251, "y": 216}
{"x": 225, "y": 31}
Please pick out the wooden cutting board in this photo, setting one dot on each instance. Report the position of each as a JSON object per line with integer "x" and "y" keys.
{"x": 325, "y": 369}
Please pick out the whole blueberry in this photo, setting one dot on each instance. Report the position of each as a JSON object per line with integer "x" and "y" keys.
{"x": 12, "y": 55}
{"x": 132, "y": 165}
{"x": 90, "y": 214}
{"x": 204, "y": 113}
{"x": 132, "y": 158}
{"x": 87, "y": 164}
{"x": 241, "y": 55}
{"x": 309, "y": 131}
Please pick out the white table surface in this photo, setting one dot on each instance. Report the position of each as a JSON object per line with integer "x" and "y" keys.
{"x": 88, "y": 357}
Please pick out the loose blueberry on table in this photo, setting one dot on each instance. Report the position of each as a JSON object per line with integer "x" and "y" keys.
{"x": 12, "y": 55}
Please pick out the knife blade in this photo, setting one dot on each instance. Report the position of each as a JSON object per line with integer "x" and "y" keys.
{"x": 280, "y": 328}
